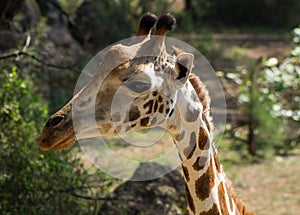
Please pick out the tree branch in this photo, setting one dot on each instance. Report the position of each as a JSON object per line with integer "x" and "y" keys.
{"x": 19, "y": 53}
{"x": 93, "y": 198}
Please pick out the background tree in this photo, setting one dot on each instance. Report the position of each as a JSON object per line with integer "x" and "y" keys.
{"x": 269, "y": 96}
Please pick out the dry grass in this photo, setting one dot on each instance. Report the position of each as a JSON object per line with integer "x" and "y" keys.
{"x": 269, "y": 187}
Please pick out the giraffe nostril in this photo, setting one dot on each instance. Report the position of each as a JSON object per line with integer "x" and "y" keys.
{"x": 55, "y": 121}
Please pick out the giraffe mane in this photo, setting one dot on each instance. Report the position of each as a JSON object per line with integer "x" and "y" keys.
{"x": 204, "y": 98}
{"x": 239, "y": 204}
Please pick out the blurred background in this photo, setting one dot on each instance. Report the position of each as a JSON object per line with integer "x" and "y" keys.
{"x": 254, "y": 47}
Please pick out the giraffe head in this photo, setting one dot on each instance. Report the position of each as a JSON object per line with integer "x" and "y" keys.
{"x": 134, "y": 88}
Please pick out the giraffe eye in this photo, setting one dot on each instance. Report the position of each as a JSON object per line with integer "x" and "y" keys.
{"x": 138, "y": 86}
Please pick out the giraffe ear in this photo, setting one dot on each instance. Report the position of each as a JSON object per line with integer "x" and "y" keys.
{"x": 183, "y": 66}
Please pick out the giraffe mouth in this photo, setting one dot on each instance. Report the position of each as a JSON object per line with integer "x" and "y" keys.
{"x": 65, "y": 143}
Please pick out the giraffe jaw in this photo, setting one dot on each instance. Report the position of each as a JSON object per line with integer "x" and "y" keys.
{"x": 49, "y": 140}
{"x": 58, "y": 132}
{"x": 61, "y": 145}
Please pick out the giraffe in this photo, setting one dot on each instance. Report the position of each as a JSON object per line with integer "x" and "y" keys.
{"x": 163, "y": 92}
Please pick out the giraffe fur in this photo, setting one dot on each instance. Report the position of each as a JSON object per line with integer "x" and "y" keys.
{"x": 163, "y": 92}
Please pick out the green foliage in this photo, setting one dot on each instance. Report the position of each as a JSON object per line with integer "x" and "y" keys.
{"x": 157, "y": 7}
{"x": 94, "y": 27}
{"x": 206, "y": 47}
{"x": 70, "y": 6}
{"x": 195, "y": 14}
{"x": 33, "y": 182}
{"x": 237, "y": 52}
{"x": 102, "y": 22}
{"x": 55, "y": 85}
{"x": 269, "y": 95}
{"x": 242, "y": 14}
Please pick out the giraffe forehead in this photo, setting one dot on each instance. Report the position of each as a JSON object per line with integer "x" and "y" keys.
{"x": 156, "y": 79}
{"x": 147, "y": 73}
{"x": 161, "y": 63}
{"x": 128, "y": 69}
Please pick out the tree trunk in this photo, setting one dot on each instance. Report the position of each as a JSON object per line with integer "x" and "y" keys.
{"x": 8, "y": 9}
{"x": 250, "y": 142}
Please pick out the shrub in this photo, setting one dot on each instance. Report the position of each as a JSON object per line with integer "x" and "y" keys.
{"x": 269, "y": 96}
{"x": 33, "y": 182}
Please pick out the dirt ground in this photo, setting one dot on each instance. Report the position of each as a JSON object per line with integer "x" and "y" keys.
{"x": 270, "y": 187}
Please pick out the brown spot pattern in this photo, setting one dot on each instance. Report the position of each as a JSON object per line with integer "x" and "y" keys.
{"x": 116, "y": 117}
{"x": 186, "y": 173}
{"x": 172, "y": 127}
{"x": 161, "y": 109}
{"x": 149, "y": 105}
{"x": 189, "y": 199}
{"x": 222, "y": 199}
{"x": 155, "y": 106}
{"x": 188, "y": 151}
{"x": 167, "y": 110}
{"x": 100, "y": 114}
{"x": 213, "y": 211}
{"x": 105, "y": 128}
{"x": 242, "y": 209}
{"x": 180, "y": 136}
{"x": 200, "y": 163}
{"x": 160, "y": 98}
{"x": 230, "y": 204}
{"x": 217, "y": 162}
{"x": 191, "y": 114}
{"x": 145, "y": 121}
{"x": 171, "y": 112}
{"x": 240, "y": 206}
{"x": 134, "y": 113}
{"x": 205, "y": 183}
{"x": 153, "y": 121}
{"x": 202, "y": 139}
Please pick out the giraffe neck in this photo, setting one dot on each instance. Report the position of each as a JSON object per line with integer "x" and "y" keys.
{"x": 205, "y": 183}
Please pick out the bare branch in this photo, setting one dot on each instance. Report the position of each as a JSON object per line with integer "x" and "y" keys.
{"x": 93, "y": 198}
{"x": 27, "y": 43}
{"x": 19, "y": 53}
